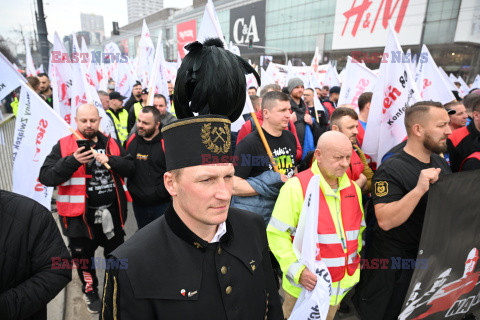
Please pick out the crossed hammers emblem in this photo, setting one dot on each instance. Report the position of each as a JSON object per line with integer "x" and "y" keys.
{"x": 219, "y": 132}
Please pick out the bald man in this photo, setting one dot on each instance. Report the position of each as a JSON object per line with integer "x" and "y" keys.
{"x": 340, "y": 217}
{"x": 81, "y": 174}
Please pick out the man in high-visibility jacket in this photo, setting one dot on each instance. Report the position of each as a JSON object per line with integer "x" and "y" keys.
{"x": 340, "y": 224}
{"x": 119, "y": 115}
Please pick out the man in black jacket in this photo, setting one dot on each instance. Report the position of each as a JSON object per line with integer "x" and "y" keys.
{"x": 150, "y": 198}
{"x": 135, "y": 97}
{"x": 201, "y": 259}
{"x": 91, "y": 202}
{"x": 29, "y": 245}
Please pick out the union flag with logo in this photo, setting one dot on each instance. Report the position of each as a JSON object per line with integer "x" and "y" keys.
{"x": 449, "y": 287}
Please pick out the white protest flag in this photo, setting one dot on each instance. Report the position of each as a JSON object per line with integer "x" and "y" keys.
{"x": 30, "y": 70}
{"x": 210, "y": 26}
{"x": 413, "y": 62}
{"x": 247, "y": 109}
{"x": 291, "y": 73}
{"x": 146, "y": 55}
{"x": 101, "y": 77}
{"x": 40, "y": 69}
{"x": 452, "y": 78}
{"x": 61, "y": 71}
{"x": 251, "y": 81}
{"x": 341, "y": 76}
{"x": 158, "y": 76}
{"x": 316, "y": 60}
{"x": 315, "y": 303}
{"x": 395, "y": 90}
{"x": 10, "y": 78}
{"x": 121, "y": 71}
{"x": 278, "y": 73}
{"x": 331, "y": 77}
{"x": 37, "y": 130}
{"x": 265, "y": 77}
{"x": 430, "y": 82}
{"x": 172, "y": 68}
{"x": 476, "y": 82}
{"x": 90, "y": 67}
{"x": 358, "y": 79}
{"x": 447, "y": 79}
{"x": 463, "y": 91}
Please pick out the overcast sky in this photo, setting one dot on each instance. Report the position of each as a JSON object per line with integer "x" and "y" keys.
{"x": 63, "y": 16}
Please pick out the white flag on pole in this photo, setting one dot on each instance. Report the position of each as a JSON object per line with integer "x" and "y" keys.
{"x": 463, "y": 91}
{"x": 247, "y": 109}
{"x": 146, "y": 56}
{"x": 429, "y": 81}
{"x": 447, "y": 79}
{"x": 210, "y": 26}
{"x": 331, "y": 78}
{"x": 305, "y": 248}
{"x": 358, "y": 79}
{"x": 10, "y": 78}
{"x": 395, "y": 90}
{"x": 61, "y": 75}
{"x": 29, "y": 68}
{"x": 476, "y": 82}
{"x": 37, "y": 130}
{"x": 158, "y": 76}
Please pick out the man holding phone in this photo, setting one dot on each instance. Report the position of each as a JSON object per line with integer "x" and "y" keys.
{"x": 92, "y": 200}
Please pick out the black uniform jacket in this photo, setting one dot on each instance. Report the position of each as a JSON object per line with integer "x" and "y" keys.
{"x": 165, "y": 271}
{"x": 29, "y": 243}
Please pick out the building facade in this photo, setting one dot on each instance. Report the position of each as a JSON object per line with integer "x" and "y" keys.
{"x": 93, "y": 24}
{"x": 292, "y": 29}
{"x": 138, "y": 9}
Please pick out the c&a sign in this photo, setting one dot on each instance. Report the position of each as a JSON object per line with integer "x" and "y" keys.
{"x": 248, "y": 22}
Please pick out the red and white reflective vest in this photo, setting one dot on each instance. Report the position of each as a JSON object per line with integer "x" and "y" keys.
{"x": 475, "y": 155}
{"x": 330, "y": 245}
{"x": 73, "y": 192}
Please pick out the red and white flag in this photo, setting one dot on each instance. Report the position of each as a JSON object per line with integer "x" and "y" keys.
{"x": 464, "y": 89}
{"x": 61, "y": 75}
{"x": 358, "y": 79}
{"x": 430, "y": 82}
{"x": 145, "y": 56}
{"x": 447, "y": 79}
{"x": 37, "y": 130}
{"x": 158, "y": 76}
{"x": 395, "y": 90}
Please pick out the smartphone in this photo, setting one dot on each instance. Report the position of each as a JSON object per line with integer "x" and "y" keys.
{"x": 84, "y": 143}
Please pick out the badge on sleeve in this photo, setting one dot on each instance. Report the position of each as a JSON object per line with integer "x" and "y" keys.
{"x": 381, "y": 188}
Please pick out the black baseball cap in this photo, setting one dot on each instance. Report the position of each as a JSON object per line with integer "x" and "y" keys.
{"x": 116, "y": 95}
{"x": 145, "y": 91}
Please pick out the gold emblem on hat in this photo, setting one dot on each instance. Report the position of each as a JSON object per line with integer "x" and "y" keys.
{"x": 216, "y": 139}
{"x": 381, "y": 188}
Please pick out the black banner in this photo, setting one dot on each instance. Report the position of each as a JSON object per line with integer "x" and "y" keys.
{"x": 448, "y": 288}
{"x": 248, "y": 22}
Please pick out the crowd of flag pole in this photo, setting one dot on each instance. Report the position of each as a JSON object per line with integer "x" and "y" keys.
{"x": 76, "y": 83}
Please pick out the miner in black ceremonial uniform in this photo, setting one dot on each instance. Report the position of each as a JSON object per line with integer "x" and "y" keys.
{"x": 201, "y": 259}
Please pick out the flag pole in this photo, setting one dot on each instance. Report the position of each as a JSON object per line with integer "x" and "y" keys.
{"x": 248, "y": 102}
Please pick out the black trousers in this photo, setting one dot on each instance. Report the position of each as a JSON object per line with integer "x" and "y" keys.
{"x": 381, "y": 292}
{"x": 83, "y": 254}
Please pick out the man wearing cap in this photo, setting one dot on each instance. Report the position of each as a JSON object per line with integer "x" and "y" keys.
{"x": 201, "y": 259}
{"x": 331, "y": 102}
{"x": 92, "y": 199}
{"x": 133, "y": 112}
{"x": 118, "y": 115}
{"x": 300, "y": 116}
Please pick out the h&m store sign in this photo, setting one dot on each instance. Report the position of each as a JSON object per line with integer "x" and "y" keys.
{"x": 248, "y": 22}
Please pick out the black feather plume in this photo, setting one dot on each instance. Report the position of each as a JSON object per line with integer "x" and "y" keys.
{"x": 211, "y": 80}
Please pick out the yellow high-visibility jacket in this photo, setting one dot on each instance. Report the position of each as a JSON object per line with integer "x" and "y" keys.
{"x": 283, "y": 224}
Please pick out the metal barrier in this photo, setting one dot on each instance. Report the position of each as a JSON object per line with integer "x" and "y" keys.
{"x": 7, "y": 129}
